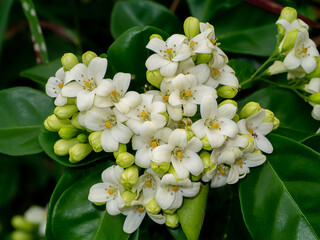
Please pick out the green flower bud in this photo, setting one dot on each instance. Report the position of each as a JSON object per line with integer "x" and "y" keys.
{"x": 62, "y": 146}
{"x": 128, "y": 197}
{"x": 122, "y": 148}
{"x": 276, "y": 123}
{"x": 68, "y": 61}
{"x": 79, "y": 151}
{"x": 228, "y": 101}
{"x": 155, "y": 36}
{"x": 160, "y": 167}
{"x": 249, "y": 109}
{"x": 196, "y": 178}
{"x": 95, "y": 141}
{"x": 20, "y": 223}
{"x": 269, "y": 116}
{"x": 207, "y": 164}
{"x": 194, "y": 58}
{"x": 174, "y": 173}
{"x": 227, "y": 91}
{"x": 169, "y": 211}
{"x": 316, "y": 72}
{"x": 152, "y": 207}
{"x": 75, "y": 122}
{"x": 289, "y": 14}
{"x": 191, "y": 27}
{"x": 203, "y": 58}
{"x": 172, "y": 220}
{"x": 72, "y": 101}
{"x": 257, "y": 151}
{"x": 206, "y": 143}
{"x": 53, "y": 124}
{"x": 87, "y": 57}
{"x": 82, "y": 138}
{"x": 68, "y": 132}
{"x": 289, "y": 40}
{"x": 154, "y": 77}
{"x": 236, "y": 118}
{"x": 66, "y": 111}
{"x": 20, "y": 235}
{"x": 129, "y": 177}
{"x": 250, "y": 140}
{"x": 315, "y": 98}
{"x": 125, "y": 159}
{"x": 190, "y": 135}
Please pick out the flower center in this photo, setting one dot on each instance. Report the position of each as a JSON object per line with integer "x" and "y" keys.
{"x": 179, "y": 155}
{"x": 216, "y": 125}
{"x": 169, "y": 50}
{"x": 240, "y": 162}
{"x": 192, "y": 43}
{"x": 110, "y": 191}
{"x": 175, "y": 188}
{"x": 143, "y": 114}
{"x": 304, "y": 50}
{"x": 60, "y": 85}
{"x": 107, "y": 125}
{"x": 223, "y": 172}
{"x": 114, "y": 93}
{"x": 148, "y": 184}
{"x": 166, "y": 98}
{"x": 154, "y": 144}
{"x": 140, "y": 209}
{"x": 188, "y": 94}
{"x": 213, "y": 41}
{"x": 87, "y": 84}
{"x": 251, "y": 131}
{"x": 216, "y": 71}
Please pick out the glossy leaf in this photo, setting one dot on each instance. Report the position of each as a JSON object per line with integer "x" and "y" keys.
{"x": 177, "y": 233}
{"x": 23, "y": 111}
{"x": 280, "y": 200}
{"x": 142, "y": 13}
{"x": 75, "y": 217}
{"x": 47, "y": 141}
{"x": 294, "y": 114}
{"x": 129, "y": 54}
{"x": 313, "y": 142}
{"x": 243, "y": 70}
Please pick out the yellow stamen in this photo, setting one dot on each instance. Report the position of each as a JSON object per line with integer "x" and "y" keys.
{"x": 304, "y": 50}
{"x": 179, "y": 154}
{"x": 87, "y": 84}
{"x": 251, "y": 131}
{"x": 213, "y": 41}
{"x": 60, "y": 85}
{"x": 148, "y": 184}
{"x": 215, "y": 125}
{"x": 166, "y": 98}
{"x": 154, "y": 144}
{"x": 140, "y": 209}
{"x": 175, "y": 188}
{"x": 107, "y": 124}
{"x": 143, "y": 114}
{"x": 169, "y": 50}
{"x": 114, "y": 93}
{"x": 188, "y": 94}
{"x": 240, "y": 162}
{"x": 223, "y": 172}
{"x": 216, "y": 71}
{"x": 191, "y": 43}
{"x": 110, "y": 192}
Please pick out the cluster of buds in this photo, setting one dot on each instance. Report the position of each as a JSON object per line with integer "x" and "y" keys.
{"x": 173, "y": 147}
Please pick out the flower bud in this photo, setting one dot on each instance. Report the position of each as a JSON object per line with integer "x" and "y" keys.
{"x": 95, "y": 141}
{"x": 228, "y": 101}
{"x": 203, "y": 58}
{"x": 66, "y": 111}
{"x": 53, "y": 124}
{"x": 169, "y": 211}
{"x": 194, "y": 58}
{"x": 68, "y": 132}
{"x": 72, "y": 101}
{"x": 160, "y": 167}
{"x": 122, "y": 148}
{"x": 155, "y": 36}
{"x": 236, "y": 118}
{"x": 75, "y": 122}
{"x": 289, "y": 14}
{"x": 191, "y": 27}
{"x": 128, "y": 197}
{"x": 315, "y": 98}
{"x": 68, "y": 61}
{"x": 206, "y": 143}
{"x": 154, "y": 77}
{"x": 20, "y": 235}
{"x": 79, "y": 151}
{"x": 227, "y": 91}
{"x": 152, "y": 207}
{"x": 82, "y": 138}
{"x": 129, "y": 177}
{"x": 87, "y": 57}
{"x": 172, "y": 220}
{"x": 62, "y": 146}
{"x": 289, "y": 40}
{"x": 276, "y": 123}
{"x": 125, "y": 159}
{"x": 190, "y": 135}
{"x": 316, "y": 72}
{"x": 196, "y": 178}
{"x": 249, "y": 109}
{"x": 269, "y": 116}
{"x": 207, "y": 164}
{"x": 20, "y": 223}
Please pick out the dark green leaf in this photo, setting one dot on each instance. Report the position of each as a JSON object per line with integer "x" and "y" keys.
{"x": 5, "y": 8}
{"x": 135, "y": 235}
{"x": 142, "y": 13}
{"x": 243, "y": 70}
{"x": 177, "y": 233}
{"x": 75, "y": 217}
{"x": 294, "y": 114}
{"x": 22, "y": 112}
{"x": 280, "y": 200}
{"x": 313, "y": 142}
{"x": 47, "y": 141}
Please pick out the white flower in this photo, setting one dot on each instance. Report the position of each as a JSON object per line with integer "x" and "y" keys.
{"x": 201, "y": 44}
{"x": 181, "y": 153}
{"x": 170, "y": 194}
{"x": 109, "y": 190}
{"x": 255, "y": 126}
{"x": 148, "y": 183}
{"x": 216, "y": 122}
{"x": 313, "y": 86}
{"x": 54, "y": 86}
{"x": 168, "y": 54}
{"x": 296, "y": 24}
{"x": 219, "y": 58}
{"x": 223, "y": 76}
{"x": 316, "y": 112}
{"x": 111, "y": 122}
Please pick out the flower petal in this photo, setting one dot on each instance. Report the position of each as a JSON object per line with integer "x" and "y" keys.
{"x": 85, "y": 100}
{"x": 121, "y": 133}
{"x": 169, "y": 70}
{"x": 133, "y": 221}
{"x": 192, "y": 162}
{"x": 162, "y": 153}
{"x": 71, "y": 89}
{"x": 97, "y": 69}
{"x": 155, "y": 62}
{"x": 108, "y": 142}
{"x": 198, "y": 128}
{"x": 178, "y": 138}
{"x": 122, "y": 81}
{"x": 263, "y": 143}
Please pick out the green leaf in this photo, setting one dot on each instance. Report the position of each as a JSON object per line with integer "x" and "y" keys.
{"x": 280, "y": 200}
{"x": 191, "y": 213}
{"x": 75, "y": 217}
{"x": 243, "y": 70}
{"x": 313, "y": 142}
{"x": 22, "y": 114}
{"x": 205, "y": 10}
{"x": 177, "y": 233}
{"x": 129, "y": 53}
{"x": 142, "y": 13}
{"x": 47, "y": 141}
{"x": 5, "y": 8}
{"x": 294, "y": 114}
{"x": 41, "y": 73}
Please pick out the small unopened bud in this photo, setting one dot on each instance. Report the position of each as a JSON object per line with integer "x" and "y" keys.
{"x": 79, "y": 151}
{"x": 152, "y": 207}
{"x": 75, "y": 122}
{"x": 249, "y": 109}
{"x": 154, "y": 77}
{"x": 228, "y": 101}
{"x": 53, "y": 124}
{"x": 160, "y": 167}
{"x": 68, "y": 61}
{"x": 172, "y": 220}
{"x": 276, "y": 123}
{"x": 289, "y": 40}
{"x": 236, "y": 118}
{"x": 95, "y": 141}
{"x": 122, "y": 148}
{"x": 269, "y": 116}
{"x": 87, "y": 57}
{"x": 20, "y": 223}
{"x": 289, "y": 14}
{"x": 125, "y": 159}
{"x": 66, "y": 111}
{"x": 20, "y": 235}
{"x": 227, "y": 91}
{"x": 62, "y": 146}
{"x": 315, "y": 98}
{"x": 191, "y": 27}
{"x": 128, "y": 197}
{"x": 204, "y": 58}
{"x": 155, "y": 36}
{"x": 190, "y": 135}
{"x": 72, "y": 101}
{"x": 207, "y": 164}
{"x": 169, "y": 211}
{"x": 82, "y": 138}
{"x": 129, "y": 177}
{"x": 206, "y": 144}
{"x": 68, "y": 132}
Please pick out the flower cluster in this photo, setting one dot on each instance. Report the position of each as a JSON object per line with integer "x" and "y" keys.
{"x": 174, "y": 146}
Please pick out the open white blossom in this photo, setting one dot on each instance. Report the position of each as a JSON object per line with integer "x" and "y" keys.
{"x": 224, "y": 76}
{"x": 54, "y": 86}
